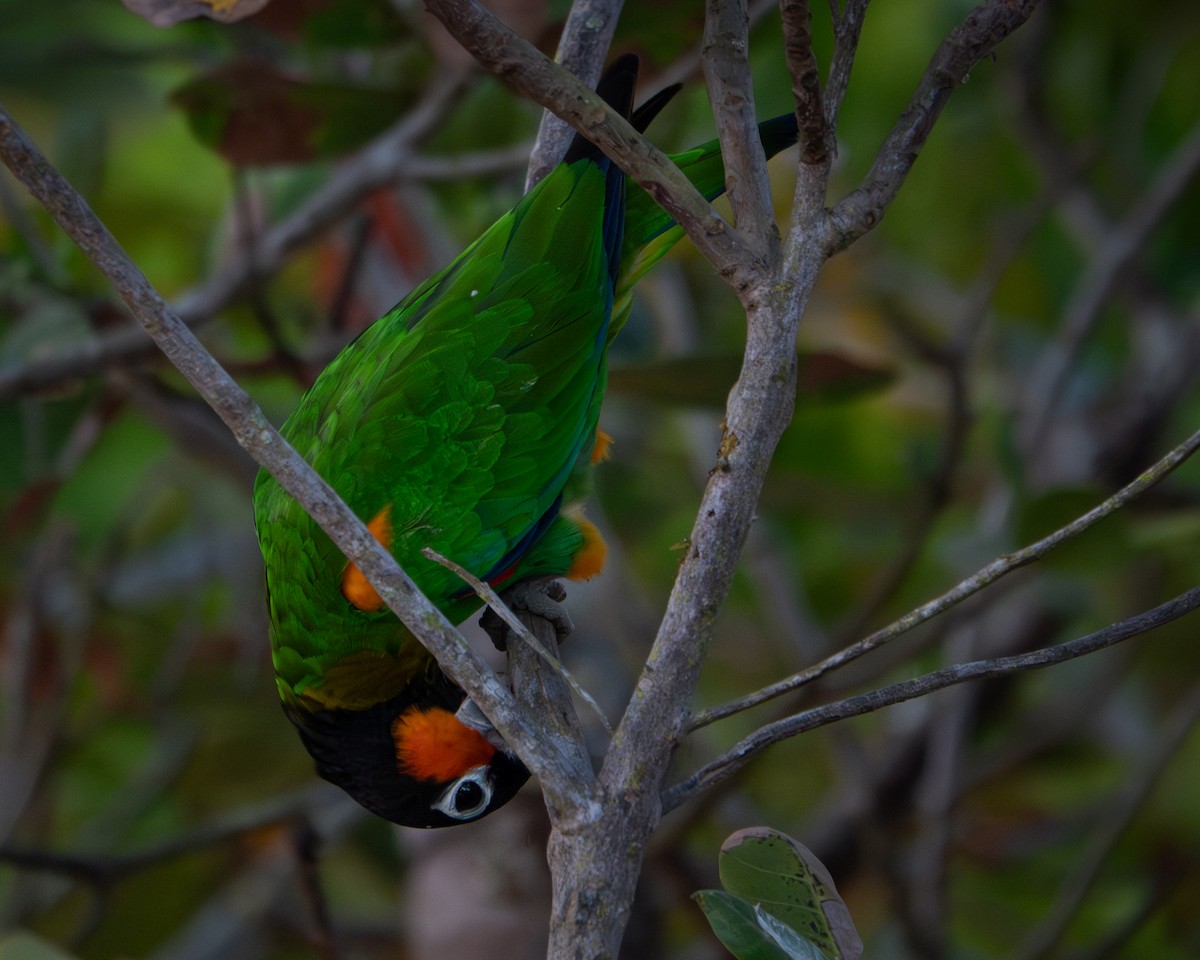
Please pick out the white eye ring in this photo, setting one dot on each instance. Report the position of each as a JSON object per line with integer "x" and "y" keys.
{"x": 475, "y": 783}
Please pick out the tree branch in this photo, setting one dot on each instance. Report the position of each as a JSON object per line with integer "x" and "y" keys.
{"x": 971, "y": 585}
{"x": 748, "y": 747}
{"x": 584, "y": 44}
{"x": 811, "y": 118}
{"x": 988, "y": 24}
{"x": 847, "y": 27}
{"x": 724, "y": 57}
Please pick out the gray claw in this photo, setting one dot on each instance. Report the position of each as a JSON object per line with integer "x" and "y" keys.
{"x": 542, "y": 598}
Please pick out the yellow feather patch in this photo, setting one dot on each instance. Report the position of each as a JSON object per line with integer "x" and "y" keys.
{"x": 589, "y": 560}
{"x": 603, "y": 447}
{"x": 355, "y": 587}
{"x": 433, "y": 745}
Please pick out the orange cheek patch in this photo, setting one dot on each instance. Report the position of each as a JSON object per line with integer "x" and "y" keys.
{"x": 434, "y": 745}
{"x": 355, "y": 587}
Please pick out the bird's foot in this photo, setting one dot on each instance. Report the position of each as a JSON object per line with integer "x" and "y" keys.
{"x": 541, "y": 598}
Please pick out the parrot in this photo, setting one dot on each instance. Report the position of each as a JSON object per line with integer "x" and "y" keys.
{"x": 461, "y": 420}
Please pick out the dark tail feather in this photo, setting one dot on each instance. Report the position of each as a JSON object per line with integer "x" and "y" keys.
{"x": 616, "y": 87}
{"x": 645, "y": 114}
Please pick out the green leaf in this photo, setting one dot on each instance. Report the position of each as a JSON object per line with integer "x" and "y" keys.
{"x": 791, "y": 942}
{"x": 736, "y": 925}
{"x": 789, "y": 883}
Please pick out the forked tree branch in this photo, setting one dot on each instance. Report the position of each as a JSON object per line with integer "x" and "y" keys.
{"x": 741, "y": 753}
{"x": 596, "y": 860}
{"x": 982, "y": 578}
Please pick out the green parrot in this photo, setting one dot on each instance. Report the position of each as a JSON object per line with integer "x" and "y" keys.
{"x": 462, "y": 420}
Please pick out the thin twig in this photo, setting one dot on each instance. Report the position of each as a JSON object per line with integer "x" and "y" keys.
{"x": 847, "y": 27}
{"x": 971, "y": 585}
{"x": 501, "y": 609}
{"x": 802, "y": 722}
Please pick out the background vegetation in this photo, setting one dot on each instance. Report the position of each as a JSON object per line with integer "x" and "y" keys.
{"x": 1017, "y": 339}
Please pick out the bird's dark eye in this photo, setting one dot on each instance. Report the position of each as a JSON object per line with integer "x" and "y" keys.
{"x": 468, "y": 796}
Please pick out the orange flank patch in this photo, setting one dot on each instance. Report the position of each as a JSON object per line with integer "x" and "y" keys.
{"x": 355, "y": 587}
{"x": 589, "y": 561}
{"x": 433, "y": 745}
{"x": 603, "y": 447}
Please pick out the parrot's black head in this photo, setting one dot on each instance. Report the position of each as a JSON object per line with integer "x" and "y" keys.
{"x": 411, "y": 761}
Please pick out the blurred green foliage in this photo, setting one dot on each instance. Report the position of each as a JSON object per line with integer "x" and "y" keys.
{"x": 137, "y": 712}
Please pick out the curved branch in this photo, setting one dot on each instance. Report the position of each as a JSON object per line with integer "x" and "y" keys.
{"x": 965, "y": 588}
{"x": 750, "y": 746}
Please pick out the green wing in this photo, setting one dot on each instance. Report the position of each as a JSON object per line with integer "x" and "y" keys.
{"x": 463, "y": 409}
